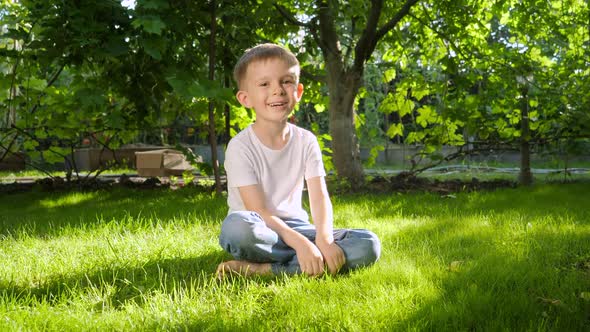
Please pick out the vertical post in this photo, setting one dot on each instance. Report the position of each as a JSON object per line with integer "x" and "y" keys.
{"x": 227, "y": 114}
{"x": 525, "y": 177}
{"x": 212, "y": 134}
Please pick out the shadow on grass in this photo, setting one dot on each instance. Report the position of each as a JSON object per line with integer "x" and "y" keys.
{"x": 545, "y": 200}
{"x": 531, "y": 283}
{"x": 44, "y": 214}
{"x": 116, "y": 286}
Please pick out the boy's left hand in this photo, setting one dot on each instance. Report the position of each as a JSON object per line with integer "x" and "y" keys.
{"x": 333, "y": 256}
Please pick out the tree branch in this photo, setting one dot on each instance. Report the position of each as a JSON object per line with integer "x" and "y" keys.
{"x": 349, "y": 47}
{"x": 371, "y": 35}
{"x": 441, "y": 34}
{"x": 405, "y": 10}
{"x": 7, "y": 150}
{"x": 366, "y": 43}
{"x": 313, "y": 29}
{"x": 24, "y": 160}
{"x": 35, "y": 138}
{"x": 29, "y": 163}
{"x": 105, "y": 146}
{"x": 55, "y": 76}
{"x": 311, "y": 25}
{"x": 289, "y": 17}
{"x": 313, "y": 77}
{"x": 328, "y": 37}
{"x": 49, "y": 83}
{"x": 14, "y": 69}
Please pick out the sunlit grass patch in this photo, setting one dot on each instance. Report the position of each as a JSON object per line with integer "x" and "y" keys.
{"x": 513, "y": 259}
{"x": 69, "y": 199}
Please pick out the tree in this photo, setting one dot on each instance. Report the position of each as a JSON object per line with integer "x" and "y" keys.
{"x": 495, "y": 75}
{"x": 75, "y": 69}
{"x": 450, "y": 70}
{"x": 345, "y": 52}
{"x": 54, "y": 81}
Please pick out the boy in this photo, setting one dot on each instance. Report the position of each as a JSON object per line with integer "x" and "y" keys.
{"x": 267, "y": 231}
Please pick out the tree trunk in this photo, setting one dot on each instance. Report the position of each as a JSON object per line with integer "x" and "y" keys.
{"x": 212, "y": 134}
{"x": 343, "y": 85}
{"x": 227, "y": 63}
{"x": 343, "y": 88}
{"x": 227, "y": 116}
{"x": 525, "y": 177}
{"x": 344, "y": 79}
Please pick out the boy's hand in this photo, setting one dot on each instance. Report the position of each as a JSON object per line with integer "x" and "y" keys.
{"x": 310, "y": 259}
{"x": 333, "y": 256}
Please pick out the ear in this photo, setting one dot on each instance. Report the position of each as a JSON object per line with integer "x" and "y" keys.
{"x": 242, "y": 97}
{"x": 299, "y": 91}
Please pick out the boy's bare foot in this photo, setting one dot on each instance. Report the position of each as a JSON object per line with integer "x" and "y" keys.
{"x": 243, "y": 268}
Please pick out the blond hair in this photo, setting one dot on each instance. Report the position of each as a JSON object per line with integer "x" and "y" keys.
{"x": 260, "y": 53}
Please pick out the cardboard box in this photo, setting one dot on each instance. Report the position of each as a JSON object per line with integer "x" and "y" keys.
{"x": 164, "y": 162}
{"x": 91, "y": 159}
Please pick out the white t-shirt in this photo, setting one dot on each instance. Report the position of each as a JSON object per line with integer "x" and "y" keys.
{"x": 280, "y": 173}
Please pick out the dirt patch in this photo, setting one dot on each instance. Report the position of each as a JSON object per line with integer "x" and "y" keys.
{"x": 58, "y": 184}
{"x": 407, "y": 182}
{"x": 403, "y": 182}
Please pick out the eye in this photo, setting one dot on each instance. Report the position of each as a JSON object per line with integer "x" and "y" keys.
{"x": 263, "y": 84}
{"x": 288, "y": 81}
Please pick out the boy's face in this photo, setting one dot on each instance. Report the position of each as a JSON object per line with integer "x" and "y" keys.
{"x": 271, "y": 87}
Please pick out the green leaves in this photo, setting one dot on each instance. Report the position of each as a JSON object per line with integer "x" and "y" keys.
{"x": 389, "y": 75}
{"x": 90, "y": 98}
{"x": 396, "y": 103}
{"x": 426, "y": 116}
{"x": 449, "y": 70}
{"x": 396, "y": 129}
{"x": 116, "y": 46}
{"x": 190, "y": 88}
{"x": 319, "y": 107}
{"x": 149, "y": 23}
{"x": 373, "y": 154}
{"x": 152, "y": 4}
{"x": 34, "y": 83}
{"x": 154, "y": 47}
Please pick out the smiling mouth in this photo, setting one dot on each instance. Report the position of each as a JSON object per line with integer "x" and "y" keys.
{"x": 277, "y": 104}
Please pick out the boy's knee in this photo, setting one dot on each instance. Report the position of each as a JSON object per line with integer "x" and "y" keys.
{"x": 240, "y": 217}
{"x": 240, "y": 231}
{"x": 373, "y": 250}
{"x": 237, "y": 227}
{"x": 366, "y": 251}
{"x": 245, "y": 235}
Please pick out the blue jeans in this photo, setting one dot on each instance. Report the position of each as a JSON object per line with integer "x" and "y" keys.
{"x": 246, "y": 237}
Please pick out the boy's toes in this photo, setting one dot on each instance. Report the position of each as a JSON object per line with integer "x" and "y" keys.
{"x": 222, "y": 270}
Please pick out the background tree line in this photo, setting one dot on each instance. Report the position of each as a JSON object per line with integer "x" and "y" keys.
{"x": 477, "y": 75}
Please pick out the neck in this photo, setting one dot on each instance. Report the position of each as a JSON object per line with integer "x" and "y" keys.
{"x": 274, "y": 135}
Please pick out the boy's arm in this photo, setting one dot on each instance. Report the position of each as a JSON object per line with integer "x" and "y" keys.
{"x": 309, "y": 256}
{"x": 322, "y": 215}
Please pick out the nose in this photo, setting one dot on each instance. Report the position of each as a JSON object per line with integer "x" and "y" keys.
{"x": 278, "y": 89}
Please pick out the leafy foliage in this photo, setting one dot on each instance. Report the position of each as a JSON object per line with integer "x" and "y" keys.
{"x": 463, "y": 72}
{"x": 457, "y": 73}
{"x": 97, "y": 71}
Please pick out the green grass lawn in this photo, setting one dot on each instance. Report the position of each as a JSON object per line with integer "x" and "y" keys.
{"x": 514, "y": 259}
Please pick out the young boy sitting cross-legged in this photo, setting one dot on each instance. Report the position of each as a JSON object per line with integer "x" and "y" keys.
{"x": 267, "y": 231}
